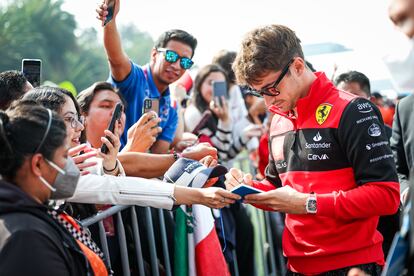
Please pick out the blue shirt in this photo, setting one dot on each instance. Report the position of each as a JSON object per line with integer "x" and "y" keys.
{"x": 137, "y": 86}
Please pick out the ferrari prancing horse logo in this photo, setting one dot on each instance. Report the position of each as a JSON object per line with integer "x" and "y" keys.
{"x": 322, "y": 112}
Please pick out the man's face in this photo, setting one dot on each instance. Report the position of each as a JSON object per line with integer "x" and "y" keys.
{"x": 164, "y": 71}
{"x": 288, "y": 88}
{"x": 354, "y": 88}
{"x": 100, "y": 112}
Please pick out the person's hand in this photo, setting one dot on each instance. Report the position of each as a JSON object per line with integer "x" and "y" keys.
{"x": 188, "y": 139}
{"x": 79, "y": 158}
{"x": 284, "y": 199}
{"x": 209, "y": 162}
{"x": 217, "y": 197}
{"x": 183, "y": 145}
{"x": 401, "y": 13}
{"x": 110, "y": 158}
{"x": 197, "y": 152}
{"x": 102, "y": 11}
{"x": 143, "y": 133}
{"x": 253, "y": 130}
{"x": 235, "y": 177}
{"x": 221, "y": 111}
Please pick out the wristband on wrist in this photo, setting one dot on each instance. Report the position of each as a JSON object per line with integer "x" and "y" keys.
{"x": 109, "y": 171}
{"x": 176, "y": 155}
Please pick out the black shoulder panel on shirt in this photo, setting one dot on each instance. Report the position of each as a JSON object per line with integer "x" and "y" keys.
{"x": 363, "y": 139}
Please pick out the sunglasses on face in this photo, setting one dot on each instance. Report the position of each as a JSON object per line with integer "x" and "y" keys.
{"x": 172, "y": 57}
{"x": 272, "y": 89}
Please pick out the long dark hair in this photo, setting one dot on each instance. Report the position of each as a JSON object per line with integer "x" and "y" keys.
{"x": 202, "y": 75}
{"x": 22, "y": 131}
{"x": 53, "y": 98}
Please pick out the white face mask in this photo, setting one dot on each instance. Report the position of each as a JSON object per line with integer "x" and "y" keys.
{"x": 400, "y": 62}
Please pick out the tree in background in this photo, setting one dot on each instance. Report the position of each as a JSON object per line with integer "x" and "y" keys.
{"x": 136, "y": 44}
{"x": 41, "y": 29}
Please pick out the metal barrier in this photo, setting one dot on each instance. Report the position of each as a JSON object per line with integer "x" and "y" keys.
{"x": 266, "y": 263}
{"x": 116, "y": 211}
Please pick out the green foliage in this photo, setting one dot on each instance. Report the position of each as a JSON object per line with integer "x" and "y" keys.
{"x": 136, "y": 44}
{"x": 36, "y": 29}
{"x": 41, "y": 29}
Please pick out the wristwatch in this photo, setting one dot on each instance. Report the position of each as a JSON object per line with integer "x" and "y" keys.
{"x": 311, "y": 206}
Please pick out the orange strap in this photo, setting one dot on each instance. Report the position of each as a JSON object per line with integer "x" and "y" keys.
{"x": 95, "y": 261}
{"x": 98, "y": 266}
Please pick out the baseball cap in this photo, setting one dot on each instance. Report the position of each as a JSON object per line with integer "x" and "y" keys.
{"x": 190, "y": 173}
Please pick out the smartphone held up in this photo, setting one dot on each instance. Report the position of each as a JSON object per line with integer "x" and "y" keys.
{"x": 111, "y": 9}
{"x": 151, "y": 105}
{"x": 116, "y": 115}
{"x": 220, "y": 90}
{"x": 32, "y": 70}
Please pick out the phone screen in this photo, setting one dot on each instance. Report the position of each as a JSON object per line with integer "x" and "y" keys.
{"x": 111, "y": 8}
{"x": 32, "y": 69}
{"x": 151, "y": 104}
{"x": 220, "y": 90}
{"x": 111, "y": 127}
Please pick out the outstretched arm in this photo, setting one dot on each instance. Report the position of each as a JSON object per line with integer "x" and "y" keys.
{"x": 118, "y": 60}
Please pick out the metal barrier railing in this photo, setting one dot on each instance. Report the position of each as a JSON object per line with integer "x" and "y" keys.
{"x": 116, "y": 211}
{"x": 265, "y": 238}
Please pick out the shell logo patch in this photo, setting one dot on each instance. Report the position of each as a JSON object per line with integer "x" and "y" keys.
{"x": 322, "y": 112}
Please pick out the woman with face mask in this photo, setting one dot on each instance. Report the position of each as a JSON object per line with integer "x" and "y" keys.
{"x": 35, "y": 167}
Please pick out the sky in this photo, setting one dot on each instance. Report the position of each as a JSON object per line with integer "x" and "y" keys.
{"x": 361, "y": 25}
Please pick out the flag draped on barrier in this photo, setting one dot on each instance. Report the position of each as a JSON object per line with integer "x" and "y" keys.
{"x": 197, "y": 247}
{"x": 181, "y": 242}
{"x": 208, "y": 253}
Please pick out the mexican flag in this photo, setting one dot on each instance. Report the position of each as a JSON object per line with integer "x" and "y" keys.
{"x": 197, "y": 247}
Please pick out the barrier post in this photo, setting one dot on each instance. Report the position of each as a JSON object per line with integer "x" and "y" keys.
{"x": 137, "y": 241}
{"x": 122, "y": 245}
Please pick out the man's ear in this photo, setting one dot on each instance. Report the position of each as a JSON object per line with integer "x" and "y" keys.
{"x": 153, "y": 55}
{"x": 36, "y": 164}
{"x": 299, "y": 66}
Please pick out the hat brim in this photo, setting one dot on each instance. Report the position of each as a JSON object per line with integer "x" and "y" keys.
{"x": 201, "y": 178}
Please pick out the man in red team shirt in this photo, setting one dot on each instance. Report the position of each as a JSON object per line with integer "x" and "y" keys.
{"x": 330, "y": 170}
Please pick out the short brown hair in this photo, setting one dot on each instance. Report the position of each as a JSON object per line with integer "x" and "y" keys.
{"x": 86, "y": 96}
{"x": 265, "y": 49}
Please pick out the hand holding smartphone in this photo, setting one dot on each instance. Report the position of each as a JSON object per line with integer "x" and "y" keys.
{"x": 32, "y": 70}
{"x": 111, "y": 9}
{"x": 111, "y": 127}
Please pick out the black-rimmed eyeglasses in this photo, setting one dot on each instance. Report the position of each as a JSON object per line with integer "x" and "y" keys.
{"x": 272, "y": 89}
